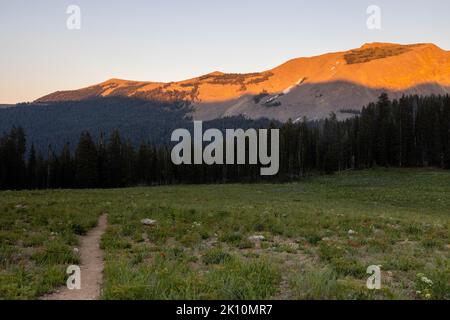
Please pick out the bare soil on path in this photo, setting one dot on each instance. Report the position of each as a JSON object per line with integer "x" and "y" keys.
{"x": 91, "y": 267}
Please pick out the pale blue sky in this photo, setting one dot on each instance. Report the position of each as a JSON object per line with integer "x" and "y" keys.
{"x": 168, "y": 40}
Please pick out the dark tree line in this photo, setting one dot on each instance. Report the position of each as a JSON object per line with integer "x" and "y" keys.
{"x": 411, "y": 132}
{"x": 60, "y": 122}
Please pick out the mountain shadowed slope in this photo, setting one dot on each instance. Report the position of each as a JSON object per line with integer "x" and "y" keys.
{"x": 56, "y": 123}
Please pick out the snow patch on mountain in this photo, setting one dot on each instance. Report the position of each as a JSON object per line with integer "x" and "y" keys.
{"x": 299, "y": 82}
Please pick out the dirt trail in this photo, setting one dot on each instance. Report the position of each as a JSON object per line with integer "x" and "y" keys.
{"x": 91, "y": 267}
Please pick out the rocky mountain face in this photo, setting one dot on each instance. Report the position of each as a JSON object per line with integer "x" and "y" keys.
{"x": 310, "y": 87}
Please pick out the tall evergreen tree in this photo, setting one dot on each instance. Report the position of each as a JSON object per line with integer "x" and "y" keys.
{"x": 86, "y": 174}
{"x": 67, "y": 168}
{"x": 32, "y": 177}
{"x": 115, "y": 161}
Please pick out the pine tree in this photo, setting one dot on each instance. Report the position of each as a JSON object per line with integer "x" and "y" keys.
{"x": 115, "y": 161}
{"x": 382, "y": 145}
{"x": 32, "y": 178}
{"x": 102, "y": 159}
{"x": 86, "y": 175}
{"x": 144, "y": 164}
{"x": 129, "y": 164}
{"x": 67, "y": 168}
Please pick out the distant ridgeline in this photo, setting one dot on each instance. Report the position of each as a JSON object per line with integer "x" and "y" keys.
{"x": 410, "y": 132}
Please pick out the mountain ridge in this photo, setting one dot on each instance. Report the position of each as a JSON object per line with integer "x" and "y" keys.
{"x": 307, "y": 86}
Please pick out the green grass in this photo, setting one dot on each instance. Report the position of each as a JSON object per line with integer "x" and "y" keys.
{"x": 199, "y": 248}
{"x": 38, "y": 234}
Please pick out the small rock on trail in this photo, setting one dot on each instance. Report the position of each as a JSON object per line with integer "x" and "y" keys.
{"x": 148, "y": 222}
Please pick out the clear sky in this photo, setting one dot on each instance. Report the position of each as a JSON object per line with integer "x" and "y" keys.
{"x": 169, "y": 40}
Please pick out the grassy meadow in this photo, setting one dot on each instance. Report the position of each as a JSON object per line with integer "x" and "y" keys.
{"x": 319, "y": 237}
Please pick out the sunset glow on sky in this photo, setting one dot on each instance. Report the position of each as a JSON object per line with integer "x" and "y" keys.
{"x": 162, "y": 40}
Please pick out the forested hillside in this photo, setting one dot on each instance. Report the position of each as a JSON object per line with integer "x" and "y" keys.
{"x": 410, "y": 132}
{"x": 56, "y": 124}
